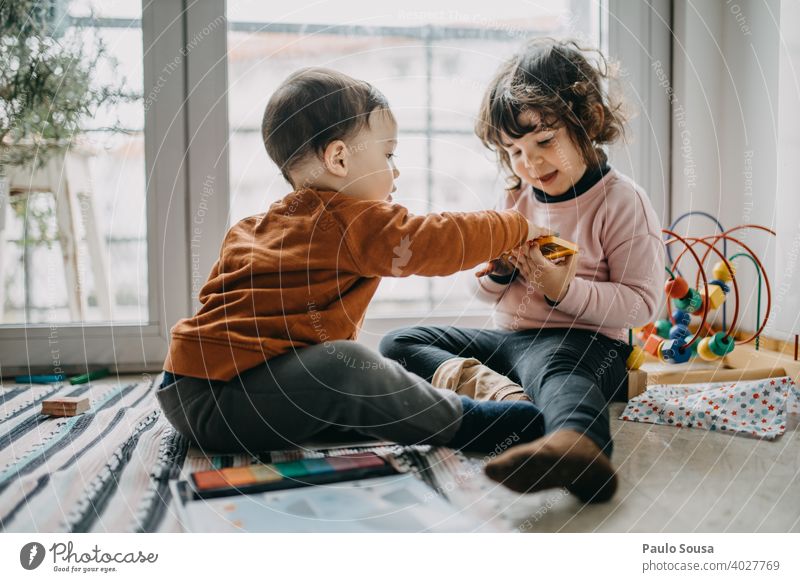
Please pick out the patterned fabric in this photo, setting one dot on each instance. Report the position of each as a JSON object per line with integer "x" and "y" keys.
{"x": 108, "y": 469}
{"x": 755, "y": 408}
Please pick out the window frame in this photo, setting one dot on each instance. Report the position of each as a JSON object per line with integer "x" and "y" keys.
{"x": 191, "y": 111}
{"x": 128, "y": 347}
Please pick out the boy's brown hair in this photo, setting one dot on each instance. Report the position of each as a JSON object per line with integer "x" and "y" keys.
{"x": 312, "y": 108}
{"x": 556, "y": 80}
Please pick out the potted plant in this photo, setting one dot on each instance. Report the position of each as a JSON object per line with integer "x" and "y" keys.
{"x": 46, "y": 84}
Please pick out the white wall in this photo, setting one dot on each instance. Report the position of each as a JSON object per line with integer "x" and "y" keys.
{"x": 725, "y": 144}
{"x": 787, "y": 285}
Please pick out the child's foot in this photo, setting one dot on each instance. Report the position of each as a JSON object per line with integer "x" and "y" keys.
{"x": 468, "y": 377}
{"x": 485, "y": 426}
{"x": 564, "y": 458}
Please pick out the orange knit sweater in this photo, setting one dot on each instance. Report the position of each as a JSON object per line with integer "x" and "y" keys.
{"x": 304, "y": 272}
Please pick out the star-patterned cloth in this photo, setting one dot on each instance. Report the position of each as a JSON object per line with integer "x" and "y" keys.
{"x": 755, "y": 408}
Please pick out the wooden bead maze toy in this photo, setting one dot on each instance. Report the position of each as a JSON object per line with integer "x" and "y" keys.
{"x": 701, "y": 353}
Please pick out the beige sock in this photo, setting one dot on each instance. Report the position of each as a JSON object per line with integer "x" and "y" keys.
{"x": 468, "y": 377}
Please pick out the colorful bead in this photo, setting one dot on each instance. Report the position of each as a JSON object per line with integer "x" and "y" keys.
{"x": 645, "y": 332}
{"x": 721, "y": 345}
{"x": 724, "y": 287}
{"x": 636, "y": 359}
{"x": 683, "y": 354}
{"x": 693, "y": 347}
{"x": 714, "y": 298}
{"x": 652, "y": 345}
{"x": 662, "y": 328}
{"x": 691, "y": 302}
{"x": 705, "y": 352}
{"x": 673, "y": 351}
{"x": 723, "y": 273}
{"x": 695, "y": 302}
{"x": 676, "y": 288}
{"x": 667, "y": 350}
{"x": 678, "y": 332}
{"x": 681, "y": 317}
{"x": 703, "y": 306}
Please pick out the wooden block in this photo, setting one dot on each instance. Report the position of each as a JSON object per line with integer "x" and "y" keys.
{"x": 747, "y": 357}
{"x": 65, "y": 406}
{"x": 712, "y": 375}
{"x": 637, "y": 382}
{"x": 553, "y": 247}
{"x": 646, "y": 331}
{"x": 652, "y": 344}
{"x": 772, "y": 344}
{"x": 716, "y": 297}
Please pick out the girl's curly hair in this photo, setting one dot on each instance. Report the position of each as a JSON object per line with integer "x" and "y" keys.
{"x": 557, "y": 80}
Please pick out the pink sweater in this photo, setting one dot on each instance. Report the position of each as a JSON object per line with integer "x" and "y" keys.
{"x": 620, "y": 276}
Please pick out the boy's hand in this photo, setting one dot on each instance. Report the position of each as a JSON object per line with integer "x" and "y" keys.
{"x": 551, "y": 278}
{"x": 536, "y": 231}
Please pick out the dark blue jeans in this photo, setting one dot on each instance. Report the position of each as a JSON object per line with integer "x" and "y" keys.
{"x": 570, "y": 374}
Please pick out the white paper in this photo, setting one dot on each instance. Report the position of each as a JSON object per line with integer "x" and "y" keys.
{"x": 398, "y": 503}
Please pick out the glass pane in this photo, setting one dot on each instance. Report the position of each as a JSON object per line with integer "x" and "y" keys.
{"x": 462, "y": 70}
{"x": 73, "y": 244}
{"x": 433, "y": 66}
{"x": 510, "y": 15}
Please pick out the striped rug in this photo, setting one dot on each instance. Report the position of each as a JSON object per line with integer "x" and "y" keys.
{"x": 108, "y": 469}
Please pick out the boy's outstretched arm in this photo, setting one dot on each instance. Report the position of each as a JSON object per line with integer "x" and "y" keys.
{"x": 386, "y": 241}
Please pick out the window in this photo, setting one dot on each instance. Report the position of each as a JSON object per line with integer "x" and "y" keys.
{"x": 83, "y": 257}
{"x": 79, "y": 292}
{"x": 432, "y": 64}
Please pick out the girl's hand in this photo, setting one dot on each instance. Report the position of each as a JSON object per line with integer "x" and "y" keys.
{"x": 499, "y": 267}
{"x": 503, "y": 267}
{"x": 551, "y": 278}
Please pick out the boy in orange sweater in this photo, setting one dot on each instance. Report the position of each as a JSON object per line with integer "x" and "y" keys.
{"x": 269, "y": 360}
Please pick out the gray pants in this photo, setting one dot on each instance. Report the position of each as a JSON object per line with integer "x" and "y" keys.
{"x": 323, "y": 391}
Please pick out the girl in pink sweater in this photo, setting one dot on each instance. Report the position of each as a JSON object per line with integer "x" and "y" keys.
{"x": 561, "y": 324}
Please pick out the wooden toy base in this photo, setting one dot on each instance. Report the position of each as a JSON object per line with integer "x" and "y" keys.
{"x": 744, "y": 363}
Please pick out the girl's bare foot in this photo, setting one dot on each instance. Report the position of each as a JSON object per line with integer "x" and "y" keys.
{"x": 565, "y": 458}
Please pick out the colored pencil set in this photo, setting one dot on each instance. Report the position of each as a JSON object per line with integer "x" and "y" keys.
{"x": 286, "y": 475}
